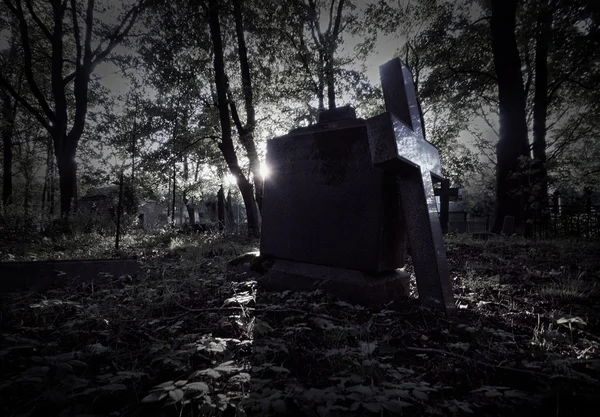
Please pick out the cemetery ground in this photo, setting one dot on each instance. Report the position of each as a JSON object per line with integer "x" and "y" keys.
{"x": 193, "y": 334}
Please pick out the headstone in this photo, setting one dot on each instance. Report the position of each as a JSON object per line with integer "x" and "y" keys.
{"x": 326, "y": 204}
{"x": 326, "y": 208}
{"x": 398, "y": 146}
{"x": 342, "y": 196}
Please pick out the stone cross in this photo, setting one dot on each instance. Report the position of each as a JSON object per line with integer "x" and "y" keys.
{"x": 398, "y": 146}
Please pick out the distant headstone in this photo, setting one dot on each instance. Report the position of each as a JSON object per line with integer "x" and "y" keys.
{"x": 508, "y": 226}
{"x": 446, "y": 193}
{"x": 342, "y": 197}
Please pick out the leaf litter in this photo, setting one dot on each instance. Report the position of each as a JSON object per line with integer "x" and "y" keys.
{"x": 189, "y": 338}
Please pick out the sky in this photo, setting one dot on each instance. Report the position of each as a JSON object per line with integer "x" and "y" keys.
{"x": 385, "y": 49}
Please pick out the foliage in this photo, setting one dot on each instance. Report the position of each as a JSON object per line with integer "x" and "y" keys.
{"x": 187, "y": 336}
{"x": 448, "y": 47}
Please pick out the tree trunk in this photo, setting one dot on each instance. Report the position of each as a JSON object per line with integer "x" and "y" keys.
{"x": 168, "y": 195}
{"x": 540, "y": 105}
{"x": 190, "y": 207}
{"x": 52, "y": 188}
{"x": 321, "y": 82}
{"x": 67, "y": 178}
{"x": 221, "y": 208}
{"x": 46, "y": 192}
{"x": 226, "y": 144}
{"x": 513, "y": 143}
{"x": 229, "y": 220}
{"x": 247, "y": 132}
{"x": 7, "y": 125}
{"x": 247, "y": 140}
{"x": 173, "y": 197}
{"x": 26, "y": 169}
{"x": 191, "y": 213}
{"x": 333, "y": 34}
{"x": 330, "y": 79}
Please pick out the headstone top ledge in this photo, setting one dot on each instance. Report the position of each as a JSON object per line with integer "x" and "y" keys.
{"x": 338, "y": 118}
{"x": 339, "y": 113}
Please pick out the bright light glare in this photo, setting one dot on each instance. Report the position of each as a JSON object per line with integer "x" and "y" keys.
{"x": 231, "y": 179}
{"x": 264, "y": 170}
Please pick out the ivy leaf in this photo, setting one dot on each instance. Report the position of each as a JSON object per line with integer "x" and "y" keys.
{"x": 572, "y": 320}
{"x": 38, "y": 370}
{"x": 516, "y": 394}
{"x": 279, "y": 406}
{"x": 280, "y": 369}
{"x": 262, "y": 328}
{"x": 166, "y": 386}
{"x": 210, "y": 373}
{"x": 361, "y": 389}
{"x": 176, "y": 394}
{"x": 367, "y": 348}
{"x": 324, "y": 324}
{"x": 154, "y": 397}
{"x": 227, "y": 367}
{"x": 395, "y": 406}
{"x": 197, "y": 387}
{"x": 240, "y": 378}
{"x": 420, "y": 395}
{"x": 77, "y": 363}
{"x": 372, "y": 407}
{"x": 97, "y": 349}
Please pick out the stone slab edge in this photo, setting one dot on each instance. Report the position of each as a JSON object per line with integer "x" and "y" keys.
{"x": 39, "y": 276}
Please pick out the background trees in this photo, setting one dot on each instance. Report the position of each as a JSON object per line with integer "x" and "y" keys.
{"x": 64, "y": 40}
{"x": 454, "y": 48}
{"x": 203, "y": 84}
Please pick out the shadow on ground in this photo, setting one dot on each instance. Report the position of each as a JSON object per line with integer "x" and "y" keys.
{"x": 186, "y": 337}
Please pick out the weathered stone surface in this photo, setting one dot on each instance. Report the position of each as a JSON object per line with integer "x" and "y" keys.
{"x": 397, "y": 146}
{"x": 39, "y": 276}
{"x": 325, "y": 203}
{"x": 351, "y": 285}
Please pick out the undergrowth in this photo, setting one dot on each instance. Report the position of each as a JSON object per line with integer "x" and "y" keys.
{"x": 190, "y": 337}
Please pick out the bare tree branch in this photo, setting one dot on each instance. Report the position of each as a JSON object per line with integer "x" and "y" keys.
{"x": 76, "y": 35}
{"x": 37, "y": 20}
{"x": 28, "y": 60}
{"x": 119, "y": 33}
{"x": 34, "y": 112}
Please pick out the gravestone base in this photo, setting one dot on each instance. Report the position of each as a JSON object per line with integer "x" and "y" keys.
{"x": 350, "y": 285}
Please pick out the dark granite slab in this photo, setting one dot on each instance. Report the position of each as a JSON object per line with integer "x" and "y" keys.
{"x": 325, "y": 203}
{"x": 39, "y": 276}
